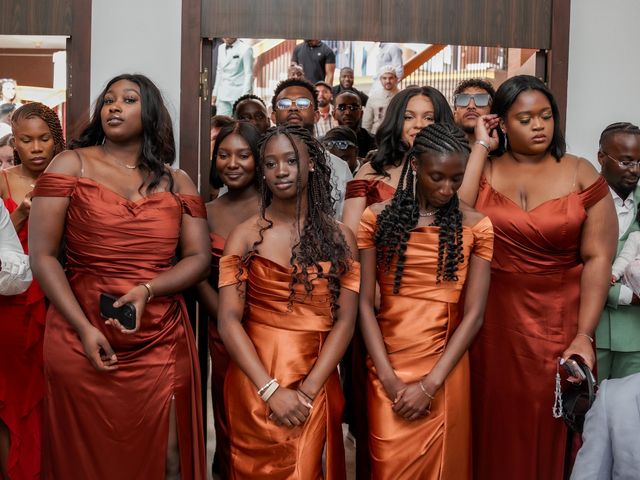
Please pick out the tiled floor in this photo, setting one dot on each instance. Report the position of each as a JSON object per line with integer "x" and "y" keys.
{"x": 350, "y": 450}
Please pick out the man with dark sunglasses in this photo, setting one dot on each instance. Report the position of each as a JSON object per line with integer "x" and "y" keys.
{"x": 471, "y": 99}
{"x": 347, "y": 111}
{"x": 295, "y": 102}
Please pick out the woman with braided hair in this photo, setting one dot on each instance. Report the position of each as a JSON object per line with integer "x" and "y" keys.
{"x": 288, "y": 294}
{"x": 37, "y": 137}
{"x": 423, "y": 247}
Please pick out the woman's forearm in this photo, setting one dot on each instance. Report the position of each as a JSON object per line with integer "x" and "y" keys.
{"x": 594, "y": 287}
{"x": 208, "y": 298}
{"x": 375, "y": 342}
{"x": 184, "y": 274}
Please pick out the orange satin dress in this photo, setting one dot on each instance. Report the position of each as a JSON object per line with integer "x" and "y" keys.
{"x": 22, "y": 319}
{"x": 219, "y": 364}
{"x": 415, "y": 325}
{"x": 530, "y": 319}
{"x": 115, "y": 425}
{"x": 288, "y": 340}
{"x": 375, "y": 191}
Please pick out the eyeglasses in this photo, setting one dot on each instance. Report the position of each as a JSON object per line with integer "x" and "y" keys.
{"x": 286, "y": 103}
{"x": 348, "y": 106}
{"x": 629, "y": 164}
{"x": 339, "y": 144}
{"x": 479, "y": 99}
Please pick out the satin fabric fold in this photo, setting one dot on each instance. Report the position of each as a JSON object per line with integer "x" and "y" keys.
{"x": 288, "y": 340}
{"x": 415, "y": 325}
{"x": 116, "y": 424}
{"x": 219, "y": 363}
{"x": 530, "y": 319}
{"x": 22, "y": 325}
{"x": 375, "y": 191}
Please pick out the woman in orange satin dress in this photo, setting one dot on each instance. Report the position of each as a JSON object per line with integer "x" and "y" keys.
{"x": 120, "y": 403}
{"x": 37, "y": 137}
{"x": 423, "y": 247}
{"x": 234, "y": 156}
{"x": 555, "y": 227}
{"x": 288, "y": 296}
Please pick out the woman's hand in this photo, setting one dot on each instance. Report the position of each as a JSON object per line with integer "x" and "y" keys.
{"x": 97, "y": 350}
{"x": 288, "y": 407}
{"x": 393, "y": 388}
{"x": 485, "y": 130}
{"x": 412, "y": 402}
{"x": 582, "y": 347}
{"x": 138, "y": 297}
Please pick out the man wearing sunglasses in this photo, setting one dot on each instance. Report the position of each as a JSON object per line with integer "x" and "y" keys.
{"x": 347, "y": 111}
{"x": 618, "y": 333}
{"x": 471, "y": 99}
{"x": 294, "y": 101}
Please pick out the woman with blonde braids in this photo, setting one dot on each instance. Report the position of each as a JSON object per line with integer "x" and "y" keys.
{"x": 423, "y": 247}
{"x": 37, "y": 138}
{"x": 288, "y": 297}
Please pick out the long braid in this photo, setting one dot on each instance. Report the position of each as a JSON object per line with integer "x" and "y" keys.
{"x": 320, "y": 239}
{"x": 400, "y": 217}
{"x": 48, "y": 116}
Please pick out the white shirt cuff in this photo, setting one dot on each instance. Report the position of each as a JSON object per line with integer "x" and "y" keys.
{"x": 626, "y": 295}
{"x": 15, "y": 275}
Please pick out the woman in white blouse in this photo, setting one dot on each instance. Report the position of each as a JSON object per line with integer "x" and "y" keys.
{"x": 15, "y": 274}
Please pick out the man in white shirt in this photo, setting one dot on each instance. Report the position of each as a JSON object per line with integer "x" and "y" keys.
{"x": 379, "y": 99}
{"x": 287, "y": 109}
{"x": 234, "y": 74}
{"x": 618, "y": 333}
{"x": 15, "y": 274}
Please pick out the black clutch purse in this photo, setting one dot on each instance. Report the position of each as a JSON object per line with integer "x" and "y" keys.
{"x": 575, "y": 399}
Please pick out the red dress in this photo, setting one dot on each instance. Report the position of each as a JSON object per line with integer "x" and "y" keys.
{"x": 531, "y": 318}
{"x": 375, "y": 191}
{"x": 219, "y": 364}
{"x": 22, "y": 320}
{"x": 114, "y": 425}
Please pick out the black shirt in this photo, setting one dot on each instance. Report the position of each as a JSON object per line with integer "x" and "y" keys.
{"x": 313, "y": 60}
{"x": 366, "y": 142}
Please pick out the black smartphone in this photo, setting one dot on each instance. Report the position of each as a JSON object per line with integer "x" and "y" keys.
{"x": 126, "y": 314}
{"x": 573, "y": 369}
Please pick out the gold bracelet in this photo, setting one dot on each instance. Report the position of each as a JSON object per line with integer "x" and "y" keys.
{"x": 424, "y": 390}
{"x": 484, "y": 144}
{"x": 585, "y": 335}
{"x": 149, "y": 291}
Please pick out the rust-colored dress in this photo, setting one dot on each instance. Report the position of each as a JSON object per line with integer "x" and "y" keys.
{"x": 115, "y": 425}
{"x": 219, "y": 364}
{"x": 531, "y": 318}
{"x": 355, "y": 381}
{"x": 288, "y": 340}
{"x": 21, "y": 377}
{"x": 415, "y": 325}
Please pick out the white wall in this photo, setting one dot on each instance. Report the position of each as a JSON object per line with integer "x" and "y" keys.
{"x": 138, "y": 36}
{"x": 604, "y": 70}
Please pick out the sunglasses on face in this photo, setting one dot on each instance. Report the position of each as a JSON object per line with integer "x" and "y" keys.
{"x": 348, "y": 106}
{"x": 339, "y": 144}
{"x": 286, "y": 103}
{"x": 479, "y": 99}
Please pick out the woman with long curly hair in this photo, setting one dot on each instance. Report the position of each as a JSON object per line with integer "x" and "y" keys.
{"x": 423, "y": 247}
{"x": 288, "y": 297}
{"x": 122, "y": 401}
{"x": 37, "y": 138}
{"x": 234, "y": 162}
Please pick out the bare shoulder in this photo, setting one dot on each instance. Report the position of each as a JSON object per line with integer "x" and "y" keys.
{"x": 470, "y": 216}
{"x": 244, "y": 235}
{"x": 67, "y": 163}
{"x": 183, "y": 183}
{"x": 586, "y": 173}
{"x": 366, "y": 172}
{"x": 349, "y": 236}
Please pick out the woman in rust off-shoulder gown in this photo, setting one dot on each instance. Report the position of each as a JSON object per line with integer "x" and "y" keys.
{"x": 235, "y": 157}
{"x": 423, "y": 247}
{"x": 555, "y": 227}
{"x": 37, "y": 137}
{"x": 288, "y": 295}
{"x": 120, "y": 403}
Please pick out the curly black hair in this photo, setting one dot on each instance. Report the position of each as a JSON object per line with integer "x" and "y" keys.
{"x": 246, "y": 96}
{"x": 48, "y": 116}
{"x": 158, "y": 146}
{"x": 321, "y": 239}
{"x": 400, "y": 217}
{"x": 391, "y": 147}
{"x": 294, "y": 82}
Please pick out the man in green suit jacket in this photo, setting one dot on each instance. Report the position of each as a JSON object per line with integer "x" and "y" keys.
{"x": 618, "y": 333}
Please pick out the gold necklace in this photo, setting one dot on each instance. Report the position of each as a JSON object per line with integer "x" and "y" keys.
{"x": 428, "y": 213}
{"x": 30, "y": 180}
{"x": 122, "y": 164}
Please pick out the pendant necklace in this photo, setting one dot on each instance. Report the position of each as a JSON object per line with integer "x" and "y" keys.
{"x": 428, "y": 213}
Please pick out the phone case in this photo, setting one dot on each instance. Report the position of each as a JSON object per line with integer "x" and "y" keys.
{"x": 125, "y": 314}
